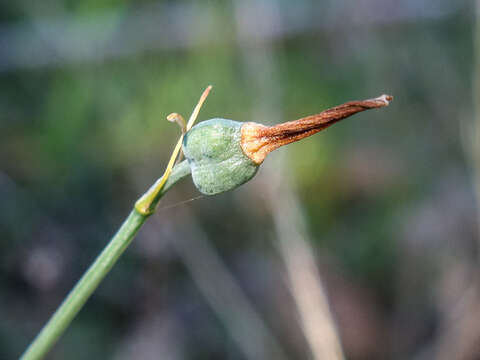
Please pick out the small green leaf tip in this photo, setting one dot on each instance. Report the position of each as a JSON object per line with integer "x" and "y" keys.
{"x": 215, "y": 156}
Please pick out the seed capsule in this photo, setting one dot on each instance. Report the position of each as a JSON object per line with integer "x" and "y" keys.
{"x": 224, "y": 154}
{"x": 216, "y": 158}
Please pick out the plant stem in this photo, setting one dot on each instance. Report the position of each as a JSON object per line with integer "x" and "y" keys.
{"x": 84, "y": 288}
{"x": 95, "y": 274}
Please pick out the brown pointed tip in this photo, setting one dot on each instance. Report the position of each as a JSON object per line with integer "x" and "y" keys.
{"x": 378, "y": 102}
{"x": 383, "y": 100}
{"x": 259, "y": 140}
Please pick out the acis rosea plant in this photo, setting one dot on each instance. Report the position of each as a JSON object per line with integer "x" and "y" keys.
{"x": 220, "y": 155}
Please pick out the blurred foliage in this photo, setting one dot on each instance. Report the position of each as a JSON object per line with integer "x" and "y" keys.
{"x": 80, "y": 141}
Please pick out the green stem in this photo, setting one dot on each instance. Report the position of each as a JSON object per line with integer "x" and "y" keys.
{"x": 95, "y": 274}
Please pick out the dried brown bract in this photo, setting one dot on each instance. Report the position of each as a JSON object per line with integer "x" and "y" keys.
{"x": 258, "y": 140}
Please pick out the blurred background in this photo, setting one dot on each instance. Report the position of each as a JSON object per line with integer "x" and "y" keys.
{"x": 376, "y": 215}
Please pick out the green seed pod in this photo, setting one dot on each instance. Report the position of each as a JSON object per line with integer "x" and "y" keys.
{"x": 216, "y": 159}
{"x": 224, "y": 154}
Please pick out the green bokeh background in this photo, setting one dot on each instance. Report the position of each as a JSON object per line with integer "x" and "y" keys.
{"x": 387, "y": 196}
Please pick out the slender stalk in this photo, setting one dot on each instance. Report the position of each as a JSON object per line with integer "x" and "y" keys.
{"x": 84, "y": 288}
{"x": 95, "y": 274}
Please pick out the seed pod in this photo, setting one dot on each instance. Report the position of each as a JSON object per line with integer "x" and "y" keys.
{"x": 224, "y": 154}
{"x": 216, "y": 158}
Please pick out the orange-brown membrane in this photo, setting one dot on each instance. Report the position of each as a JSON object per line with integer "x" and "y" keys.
{"x": 258, "y": 140}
